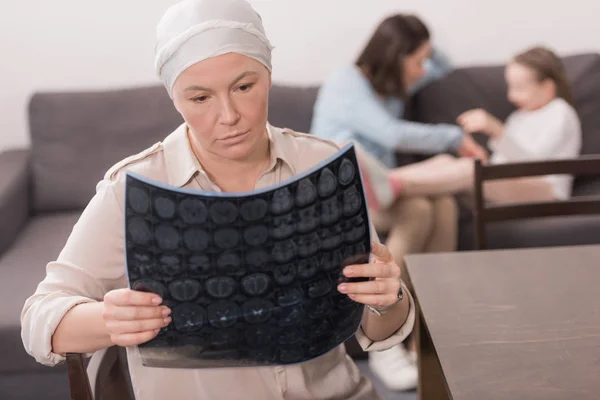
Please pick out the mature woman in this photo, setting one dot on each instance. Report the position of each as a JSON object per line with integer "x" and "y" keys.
{"x": 364, "y": 102}
{"x": 215, "y": 61}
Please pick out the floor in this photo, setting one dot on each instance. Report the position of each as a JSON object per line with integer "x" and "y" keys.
{"x": 386, "y": 394}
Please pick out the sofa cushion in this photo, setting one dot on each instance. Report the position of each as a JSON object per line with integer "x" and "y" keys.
{"x": 14, "y": 196}
{"x": 28, "y": 386}
{"x": 584, "y": 74}
{"x": 22, "y": 267}
{"x": 76, "y": 137}
{"x": 292, "y": 106}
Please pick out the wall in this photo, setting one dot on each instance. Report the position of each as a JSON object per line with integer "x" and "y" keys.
{"x": 70, "y": 44}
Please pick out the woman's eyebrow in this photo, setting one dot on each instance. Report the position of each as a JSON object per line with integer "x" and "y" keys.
{"x": 196, "y": 88}
{"x": 236, "y": 80}
{"x": 242, "y": 76}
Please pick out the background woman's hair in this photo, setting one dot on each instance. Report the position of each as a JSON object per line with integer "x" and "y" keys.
{"x": 382, "y": 59}
{"x": 547, "y": 65}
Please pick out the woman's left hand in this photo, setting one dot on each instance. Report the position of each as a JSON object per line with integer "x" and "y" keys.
{"x": 383, "y": 290}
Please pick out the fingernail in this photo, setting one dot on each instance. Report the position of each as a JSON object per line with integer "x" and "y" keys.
{"x": 343, "y": 288}
{"x": 167, "y": 320}
{"x": 352, "y": 296}
{"x": 348, "y": 271}
{"x": 166, "y": 311}
{"x": 156, "y": 300}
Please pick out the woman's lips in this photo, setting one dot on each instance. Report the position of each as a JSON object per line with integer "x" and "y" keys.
{"x": 235, "y": 138}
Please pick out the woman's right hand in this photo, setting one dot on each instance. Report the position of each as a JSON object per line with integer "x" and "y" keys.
{"x": 132, "y": 317}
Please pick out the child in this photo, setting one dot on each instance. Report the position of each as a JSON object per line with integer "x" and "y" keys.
{"x": 544, "y": 126}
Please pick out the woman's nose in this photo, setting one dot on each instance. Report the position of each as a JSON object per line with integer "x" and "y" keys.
{"x": 229, "y": 112}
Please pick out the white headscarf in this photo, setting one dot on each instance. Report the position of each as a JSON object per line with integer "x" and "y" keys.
{"x": 194, "y": 30}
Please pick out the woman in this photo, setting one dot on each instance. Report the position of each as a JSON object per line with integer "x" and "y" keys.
{"x": 363, "y": 103}
{"x": 215, "y": 61}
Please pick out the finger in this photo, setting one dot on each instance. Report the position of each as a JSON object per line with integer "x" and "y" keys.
{"x": 371, "y": 287}
{"x": 136, "y": 326}
{"x": 128, "y": 297}
{"x": 135, "y": 313}
{"x": 374, "y": 300}
{"x": 132, "y": 339}
{"x": 381, "y": 252}
{"x": 373, "y": 270}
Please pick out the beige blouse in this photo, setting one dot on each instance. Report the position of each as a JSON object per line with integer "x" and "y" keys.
{"x": 93, "y": 263}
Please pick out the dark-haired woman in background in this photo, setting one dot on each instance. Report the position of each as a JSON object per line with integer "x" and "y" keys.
{"x": 364, "y": 102}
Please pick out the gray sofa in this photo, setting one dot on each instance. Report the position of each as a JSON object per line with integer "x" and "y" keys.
{"x": 76, "y": 136}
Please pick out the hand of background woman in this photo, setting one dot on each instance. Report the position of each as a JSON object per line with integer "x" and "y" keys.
{"x": 480, "y": 121}
{"x": 132, "y": 317}
{"x": 471, "y": 149}
{"x": 383, "y": 290}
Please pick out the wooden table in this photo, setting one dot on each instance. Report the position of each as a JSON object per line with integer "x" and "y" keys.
{"x": 509, "y": 324}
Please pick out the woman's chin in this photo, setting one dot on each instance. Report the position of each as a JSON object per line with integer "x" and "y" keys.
{"x": 237, "y": 151}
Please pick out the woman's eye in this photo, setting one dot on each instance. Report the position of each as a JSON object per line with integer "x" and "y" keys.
{"x": 245, "y": 88}
{"x": 200, "y": 99}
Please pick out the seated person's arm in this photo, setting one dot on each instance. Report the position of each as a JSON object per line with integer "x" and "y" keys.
{"x": 366, "y": 115}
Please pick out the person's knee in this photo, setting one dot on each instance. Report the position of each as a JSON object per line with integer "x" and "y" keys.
{"x": 419, "y": 208}
{"x": 445, "y": 158}
{"x": 467, "y": 164}
{"x": 446, "y": 205}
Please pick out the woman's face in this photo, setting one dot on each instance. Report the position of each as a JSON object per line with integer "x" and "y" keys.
{"x": 224, "y": 102}
{"x": 413, "y": 64}
{"x": 525, "y": 91}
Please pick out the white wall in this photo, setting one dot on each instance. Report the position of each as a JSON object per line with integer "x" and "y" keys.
{"x": 73, "y": 44}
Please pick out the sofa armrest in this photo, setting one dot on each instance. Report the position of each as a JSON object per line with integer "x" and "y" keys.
{"x": 14, "y": 195}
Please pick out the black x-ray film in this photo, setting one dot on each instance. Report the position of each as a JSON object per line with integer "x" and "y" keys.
{"x": 251, "y": 278}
